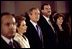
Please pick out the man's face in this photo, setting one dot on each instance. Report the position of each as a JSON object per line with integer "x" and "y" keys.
{"x": 35, "y": 15}
{"x": 8, "y": 26}
{"x": 47, "y": 10}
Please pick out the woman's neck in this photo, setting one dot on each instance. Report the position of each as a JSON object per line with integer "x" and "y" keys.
{"x": 60, "y": 27}
{"x": 20, "y": 33}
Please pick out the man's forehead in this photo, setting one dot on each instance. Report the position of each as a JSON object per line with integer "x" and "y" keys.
{"x": 36, "y": 10}
{"x": 47, "y": 6}
{"x": 8, "y": 18}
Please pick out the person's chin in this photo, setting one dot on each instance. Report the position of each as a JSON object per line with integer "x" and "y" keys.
{"x": 61, "y": 23}
{"x": 24, "y": 31}
{"x": 37, "y": 20}
{"x": 11, "y": 36}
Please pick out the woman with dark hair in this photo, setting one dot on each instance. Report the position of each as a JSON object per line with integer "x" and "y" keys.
{"x": 60, "y": 30}
{"x": 21, "y": 29}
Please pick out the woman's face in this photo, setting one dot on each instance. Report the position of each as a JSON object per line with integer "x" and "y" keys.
{"x": 60, "y": 20}
{"x": 22, "y": 28}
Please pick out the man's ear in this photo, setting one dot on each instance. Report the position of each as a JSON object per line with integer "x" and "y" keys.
{"x": 29, "y": 15}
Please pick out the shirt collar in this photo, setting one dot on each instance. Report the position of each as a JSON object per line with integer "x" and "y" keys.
{"x": 6, "y": 39}
{"x": 47, "y": 18}
{"x": 34, "y": 24}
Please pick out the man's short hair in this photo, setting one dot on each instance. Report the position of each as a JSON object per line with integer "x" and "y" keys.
{"x": 42, "y": 6}
{"x": 5, "y": 13}
{"x": 30, "y": 10}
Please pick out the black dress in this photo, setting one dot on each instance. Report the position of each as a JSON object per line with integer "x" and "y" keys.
{"x": 63, "y": 37}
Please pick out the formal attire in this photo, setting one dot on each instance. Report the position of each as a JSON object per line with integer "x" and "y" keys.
{"x": 33, "y": 34}
{"x": 9, "y": 43}
{"x": 63, "y": 39}
{"x": 48, "y": 32}
{"x": 22, "y": 40}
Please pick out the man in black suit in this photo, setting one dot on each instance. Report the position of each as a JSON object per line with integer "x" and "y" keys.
{"x": 34, "y": 33}
{"x": 47, "y": 27}
{"x": 8, "y": 30}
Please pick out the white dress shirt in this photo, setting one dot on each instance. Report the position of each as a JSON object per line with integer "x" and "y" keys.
{"x": 6, "y": 39}
{"x": 34, "y": 24}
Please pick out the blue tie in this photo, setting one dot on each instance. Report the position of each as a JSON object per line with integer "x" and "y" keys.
{"x": 39, "y": 32}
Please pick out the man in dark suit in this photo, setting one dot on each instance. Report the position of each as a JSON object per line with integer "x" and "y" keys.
{"x": 33, "y": 30}
{"x": 46, "y": 26}
{"x": 8, "y": 30}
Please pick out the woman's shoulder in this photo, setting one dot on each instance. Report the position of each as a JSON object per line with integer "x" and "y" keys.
{"x": 17, "y": 36}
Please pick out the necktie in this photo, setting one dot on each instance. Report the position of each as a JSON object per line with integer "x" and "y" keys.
{"x": 11, "y": 44}
{"x": 51, "y": 25}
{"x": 40, "y": 34}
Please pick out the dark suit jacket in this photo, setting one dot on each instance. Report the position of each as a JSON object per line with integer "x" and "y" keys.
{"x": 49, "y": 36}
{"x": 33, "y": 37}
{"x": 5, "y": 45}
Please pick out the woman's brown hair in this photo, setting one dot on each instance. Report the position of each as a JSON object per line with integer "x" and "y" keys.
{"x": 19, "y": 19}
